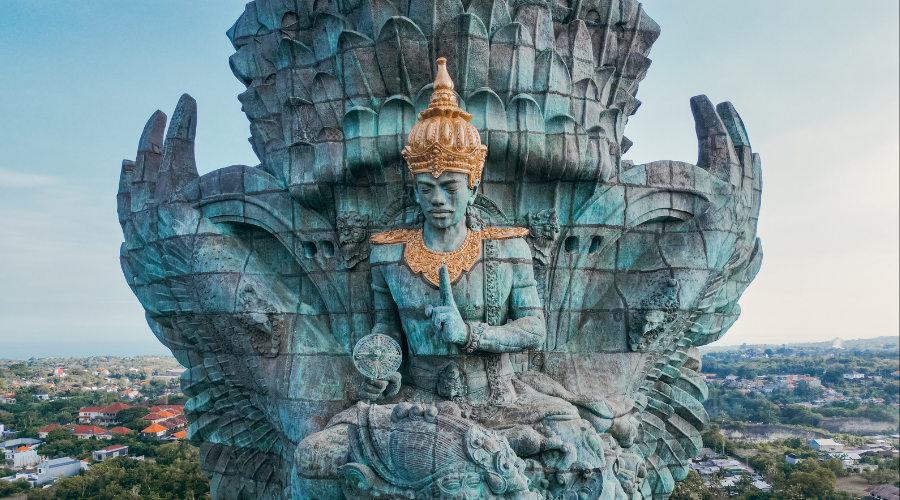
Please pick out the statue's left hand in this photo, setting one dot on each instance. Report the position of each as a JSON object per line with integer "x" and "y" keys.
{"x": 445, "y": 318}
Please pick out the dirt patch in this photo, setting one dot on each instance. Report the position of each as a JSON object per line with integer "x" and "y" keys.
{"x": 853, "y": 483}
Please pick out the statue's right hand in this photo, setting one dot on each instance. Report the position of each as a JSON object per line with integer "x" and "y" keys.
{"x": 373, "y": 390}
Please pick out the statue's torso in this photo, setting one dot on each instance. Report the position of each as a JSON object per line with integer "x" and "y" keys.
{"x": 431, "y": 361}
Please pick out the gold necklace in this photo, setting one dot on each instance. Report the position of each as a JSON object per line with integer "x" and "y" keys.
{"x": 422, "y": 260}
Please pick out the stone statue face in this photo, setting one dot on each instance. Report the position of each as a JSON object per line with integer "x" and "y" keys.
{"x": 443, "y": 200}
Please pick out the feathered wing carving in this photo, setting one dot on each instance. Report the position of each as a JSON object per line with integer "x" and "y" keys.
{"x": 246, "y": 274}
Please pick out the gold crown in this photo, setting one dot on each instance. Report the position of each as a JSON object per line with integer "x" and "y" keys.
{"x": 443, "y": 140}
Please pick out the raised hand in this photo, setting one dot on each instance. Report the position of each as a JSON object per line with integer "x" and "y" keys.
{"x": 373, "y": 390}
{"x": 445, "y": 318}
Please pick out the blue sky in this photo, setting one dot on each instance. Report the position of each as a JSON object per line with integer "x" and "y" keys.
{"x": 816, "y": 83}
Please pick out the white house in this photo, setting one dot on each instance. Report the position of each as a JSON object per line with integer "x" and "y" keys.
{"x": 854, "y": 375}
{"x": 792, "y": 459}
{"x": 113, "y": 451}
{"x": 49, "y": 470}
{"x": 22, "y": 456}
{"x": 826, "y": 445}
{"x": 762, "y": 486}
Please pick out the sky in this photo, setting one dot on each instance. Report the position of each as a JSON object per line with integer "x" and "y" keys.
{"x": 816, "y": 83}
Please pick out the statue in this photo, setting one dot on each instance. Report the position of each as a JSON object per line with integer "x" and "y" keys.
{"x": 442, "y": 281}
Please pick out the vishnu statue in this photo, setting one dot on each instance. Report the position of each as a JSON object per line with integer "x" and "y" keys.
{"x": 455, "y": 421}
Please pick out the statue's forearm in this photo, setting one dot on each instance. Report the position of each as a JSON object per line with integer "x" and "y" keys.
{"x": 520, "y": 335}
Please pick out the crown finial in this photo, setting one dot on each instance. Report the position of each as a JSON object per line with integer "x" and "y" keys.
{"x": 442, "y": 96}
{"x": 442, "y": 81}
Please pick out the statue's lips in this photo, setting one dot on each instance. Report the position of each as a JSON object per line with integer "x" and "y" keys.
{"x": 441, "y": 214}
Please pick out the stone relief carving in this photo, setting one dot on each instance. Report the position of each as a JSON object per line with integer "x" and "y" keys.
{"x": 560, "y": 363}
{"x": 543, "y": 231}
{"x": 353, "y": 233}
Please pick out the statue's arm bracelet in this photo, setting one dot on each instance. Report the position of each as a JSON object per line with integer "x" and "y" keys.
{"x": 475, "y": 333}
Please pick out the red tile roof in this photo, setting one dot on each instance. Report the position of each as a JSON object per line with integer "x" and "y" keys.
{"x": 114, "y": 447}
{"x": 23, "y": 448}
{"x": 153, "y": 429}
{"x": 88, "y": 429}
{"x": 90, "y": 409}
{"x": 49, "y": 428}
{"x": 120, "y": 430}
{"x": 115, "y": 408}
{"x": 181, "y": 434}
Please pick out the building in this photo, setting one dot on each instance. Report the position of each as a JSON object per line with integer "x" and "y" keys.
{"x": 121, "y": 430}
{"x": 42, "y": 396}
{"x": 113, "y": 451}
{"x": 106, "y": 415}
{"x": 792, "y": 459}
{"x": 811, "y": 381}
{"x": 16, "y": 443}
{"x": 128, "y": 393}
{"x": 49, "y": 470}
{"x": 154, "y": 431}
{"x": 91, "y": 432}
{"x": 22, "y": 456}
{"x": 8, "y": 398}
{"x": 46, "y": 430}
{"x": 88, "y": 413}
{"x": 826, "y": 445}
{"x": 884, "y": 492}
{"x": 847, "y": 459}
{"x": 854, "y": 375}
{"x": 762, "y": 485}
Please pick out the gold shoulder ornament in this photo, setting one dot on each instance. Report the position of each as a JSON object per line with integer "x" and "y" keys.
{"x": 427, "y": 262}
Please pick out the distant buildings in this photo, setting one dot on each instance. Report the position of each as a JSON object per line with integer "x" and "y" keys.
{"x": 168, "y": 416}
{"x": 8, "y": 398}
{"x": 884, "y": 492}
{"x": 43, "y": 433}
{"x": 154, "y": 431}
{"x": 105, "y": 415}
{"x": 854, "y": 375}
{"x": 49, "y": 470}
{"x": 22, "y": 456}
{"x": 42, "y": 396}
{"x": 91, "y": 432}
{"x": 826, "y": 445}
{"x": 110, "y": 452}
{"x": 792, "y": 459}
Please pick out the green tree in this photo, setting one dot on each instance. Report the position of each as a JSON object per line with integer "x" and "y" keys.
{"x": 59, "y": 434}
{"x": 692, "y": 488}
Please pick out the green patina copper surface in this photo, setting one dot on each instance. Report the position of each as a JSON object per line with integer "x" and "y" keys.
{"x": 261, "y": 280}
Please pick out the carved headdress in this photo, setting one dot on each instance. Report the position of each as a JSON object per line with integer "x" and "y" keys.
{"x": 443, "y": 140}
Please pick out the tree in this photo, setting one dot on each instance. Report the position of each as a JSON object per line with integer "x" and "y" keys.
{"x": 178, "y": 399}
{"x": 59, "y": 434}
{"x": 835, "y": 466}
{"x": 713, "y": 438}
{"x": 692, "y": 488}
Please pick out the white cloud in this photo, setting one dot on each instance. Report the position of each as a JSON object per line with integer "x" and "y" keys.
{"x": 13, "y": 179}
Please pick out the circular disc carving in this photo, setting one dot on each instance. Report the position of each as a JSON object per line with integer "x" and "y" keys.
{"x": 376, "y": 356}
